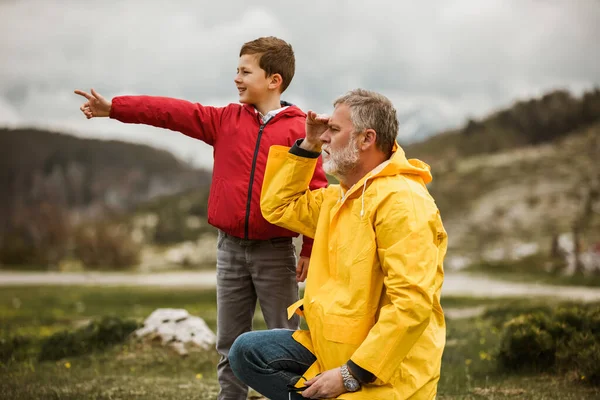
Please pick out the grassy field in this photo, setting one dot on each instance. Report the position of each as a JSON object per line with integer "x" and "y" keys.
{"x": 136, "y": 370}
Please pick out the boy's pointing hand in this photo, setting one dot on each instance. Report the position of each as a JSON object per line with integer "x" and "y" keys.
{"x": 95, "y": 106}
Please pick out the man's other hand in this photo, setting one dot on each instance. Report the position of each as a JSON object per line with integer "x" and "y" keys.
{"x": 328, "y": 385}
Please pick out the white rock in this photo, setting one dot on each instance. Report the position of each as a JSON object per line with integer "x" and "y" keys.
{"x": 177, "y": 329}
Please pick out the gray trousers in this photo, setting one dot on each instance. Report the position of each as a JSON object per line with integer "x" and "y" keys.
{"x": 248, "y": 270}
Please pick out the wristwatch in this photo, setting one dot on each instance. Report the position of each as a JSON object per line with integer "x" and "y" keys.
{"x": 350, "y": 382}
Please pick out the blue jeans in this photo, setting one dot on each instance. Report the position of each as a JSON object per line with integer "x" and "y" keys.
{"x": 270, "y": 361}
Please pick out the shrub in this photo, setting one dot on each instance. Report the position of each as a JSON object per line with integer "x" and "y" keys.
{"x": 14, "y": 347}
{"x": 526, "y": 345}
{"x": 564, "y": 340}
{"x": 106, "y": 246}
{"x": 36, "y": 235}
{"x": 97, "y": 335}
{"x": 581, "y": 353}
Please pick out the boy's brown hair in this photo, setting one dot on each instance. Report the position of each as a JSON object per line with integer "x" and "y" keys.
{"x": 275, "y": 57}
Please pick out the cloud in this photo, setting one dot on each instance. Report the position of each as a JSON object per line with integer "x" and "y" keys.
{"x": 439, "y": 61}
{"x": 8, "y": 115}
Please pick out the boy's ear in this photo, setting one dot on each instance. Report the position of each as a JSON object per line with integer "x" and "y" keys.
{"x": 275, "y": 81}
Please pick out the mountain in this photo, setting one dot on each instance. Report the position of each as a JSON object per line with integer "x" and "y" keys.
{"x": 525, "y": 123}
{"x": 521, "y": 180}
{"x": 52, "y": 182}
{"x": 78, "y": 173}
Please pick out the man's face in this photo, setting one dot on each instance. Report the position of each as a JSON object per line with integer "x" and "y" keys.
{"x": 340, "y": 149}
{"x": 251, "y": 80}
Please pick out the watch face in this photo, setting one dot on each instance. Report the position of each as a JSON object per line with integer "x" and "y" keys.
{"x": 352, "y": 385}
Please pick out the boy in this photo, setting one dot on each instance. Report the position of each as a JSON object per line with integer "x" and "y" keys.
{"x": 255, "y": 259}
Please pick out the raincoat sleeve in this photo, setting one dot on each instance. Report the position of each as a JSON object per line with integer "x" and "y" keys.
{"x": 286, "y": 199}
{"x": 407, "y": 245}
{"x": 319, "y": 180}
{"x": 192, "y": 119}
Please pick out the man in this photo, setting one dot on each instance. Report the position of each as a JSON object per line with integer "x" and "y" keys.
{"x": 372, "y": 298}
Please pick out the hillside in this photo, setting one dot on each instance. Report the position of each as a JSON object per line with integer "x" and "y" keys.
{"x": 525, "y": 194}
{"x": 52, "y": 182}
{"x": 76, "y": 172}
{"x": 506, "y": 193}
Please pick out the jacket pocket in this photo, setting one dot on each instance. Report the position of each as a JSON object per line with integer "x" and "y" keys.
{"x": 348, "y": 330}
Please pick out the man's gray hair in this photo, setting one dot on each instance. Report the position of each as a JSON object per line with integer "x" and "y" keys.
{"x": 371, "y": 110}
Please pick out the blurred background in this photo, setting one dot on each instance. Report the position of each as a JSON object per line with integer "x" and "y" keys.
{"x": 501, "y": 98}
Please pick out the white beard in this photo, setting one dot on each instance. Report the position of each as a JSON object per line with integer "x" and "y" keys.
{"x": 340, "y": 163}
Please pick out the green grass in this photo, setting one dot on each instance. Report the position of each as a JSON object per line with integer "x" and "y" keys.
{"x": 136, "y": 370}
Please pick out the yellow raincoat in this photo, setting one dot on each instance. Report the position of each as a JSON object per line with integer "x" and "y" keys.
{"x": 373, "y": 288}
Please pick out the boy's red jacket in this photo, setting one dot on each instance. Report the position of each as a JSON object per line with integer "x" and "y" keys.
{"x": 241, "y": 145}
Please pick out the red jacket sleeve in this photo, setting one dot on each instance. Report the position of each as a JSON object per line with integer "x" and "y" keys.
{"x": 191, "y": 119}
{"x": 319, "y": 180}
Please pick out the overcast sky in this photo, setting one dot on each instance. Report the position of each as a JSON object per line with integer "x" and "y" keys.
{"x": 439, "y": 61}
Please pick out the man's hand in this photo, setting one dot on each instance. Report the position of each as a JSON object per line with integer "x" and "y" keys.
{"x": 328, "y": 385}
{"x": 316, "y": 124}
{"x": 302, "y": 269}
{"x": 95, "y": 106}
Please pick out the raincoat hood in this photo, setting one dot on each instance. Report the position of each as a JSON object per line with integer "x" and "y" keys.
{"x": 397, "y": 164}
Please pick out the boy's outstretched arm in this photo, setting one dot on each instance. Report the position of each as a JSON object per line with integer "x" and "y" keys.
{"x": 191, "y": 119}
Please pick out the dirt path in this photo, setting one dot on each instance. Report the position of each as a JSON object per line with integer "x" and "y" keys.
{"x": 455, "y": 284}
{"x": 460, "y": 284}
{"x": 204, "y": 279}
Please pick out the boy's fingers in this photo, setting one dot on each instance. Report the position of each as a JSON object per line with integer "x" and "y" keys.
{"x": 96, "y": 94}
{"x": 303, "y": 276}
{"x": 84, "y": 94}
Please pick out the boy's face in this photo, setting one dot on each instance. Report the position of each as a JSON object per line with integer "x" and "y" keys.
{"x": 251, "y": 80}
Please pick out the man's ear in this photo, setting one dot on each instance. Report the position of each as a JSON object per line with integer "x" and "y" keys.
{"x": 275, "y": 81}
{"x": 368, "y": 139}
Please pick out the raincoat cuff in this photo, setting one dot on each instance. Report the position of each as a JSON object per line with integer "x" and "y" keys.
{"x": 300, "y": 152}
{"x": 361, "y": 374}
